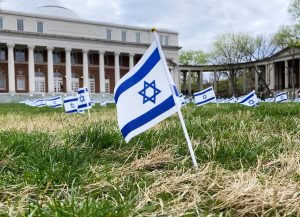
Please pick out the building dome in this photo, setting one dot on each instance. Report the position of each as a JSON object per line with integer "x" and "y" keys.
{"x": 56, "y": 11}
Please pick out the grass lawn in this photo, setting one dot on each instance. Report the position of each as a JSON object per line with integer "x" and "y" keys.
{"x": 52, "y": 164}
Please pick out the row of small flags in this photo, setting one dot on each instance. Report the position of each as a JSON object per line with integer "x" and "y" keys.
{"x": 71, "y": 104}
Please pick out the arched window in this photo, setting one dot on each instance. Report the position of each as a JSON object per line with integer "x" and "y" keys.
{"x": 91, "y": 83}
{"x": 2, "y": 80}
{"x": 58, "y": 82}
{"x": 39, "y": 82}
{"x": 75, "y": 82}
{"x": 107, "y": 84}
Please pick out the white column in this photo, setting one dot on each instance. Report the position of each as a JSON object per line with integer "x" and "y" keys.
{"x": 189, "y": 82}
{"x": 272, "y": 76}
{"x": 50, "y": 70}
{"x": 85, "y": 68}
{"x": 177, "y": 78}
{"x": 200, "y": 80}
{"x": 131, "y": 60}
{"x": 286, "y": 74}
{"x": 68, "y": 70}
{"x": 31, "y": 75}
{"x": 117, "y": 67}
{"x": 102, "y": 72}
{"x": 11, "y": 69}
{"x": 256, "y": 70}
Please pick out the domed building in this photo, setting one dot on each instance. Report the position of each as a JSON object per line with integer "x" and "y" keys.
{"x": 54, "y": 51}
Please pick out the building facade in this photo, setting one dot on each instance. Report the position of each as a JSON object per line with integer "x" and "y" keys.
{"x": 54, "y": 51}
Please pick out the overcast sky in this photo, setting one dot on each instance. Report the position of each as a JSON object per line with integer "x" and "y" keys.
{"x": 197, "y": 21}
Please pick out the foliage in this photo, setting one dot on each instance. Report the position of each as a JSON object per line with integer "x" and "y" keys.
{"x": 193, "y": 57}
{"x": 294, "y": 10}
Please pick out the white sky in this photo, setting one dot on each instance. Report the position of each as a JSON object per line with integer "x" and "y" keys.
{"x": 197, "y": 21}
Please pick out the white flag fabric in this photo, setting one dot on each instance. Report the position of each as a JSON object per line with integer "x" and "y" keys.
{"x": 281, "y": 97}
{"x": 55, "y": 102}
{"x": 39, "y": 103}
{"x": 205, "y": 96}
{"x": 71, "y": 104}
{"x": 297, "y": 100}
{"x": 232, "y": 100}
{"x": 269, "y": 100}
{"x": 84, "y": 101}
{"x": 144, "y": 96}
{"x": 249, "y": 100}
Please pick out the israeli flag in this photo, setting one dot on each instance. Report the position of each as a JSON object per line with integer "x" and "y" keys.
{"x": 249, "y": 100}
{"x": 55, "y": 102}
{"x": 205, "y": 96}
{"x": 232, "y": 100}
{"x": 71, "y": 104}
{"x": 39, "y": 103}
{"x": 144, "y": 96}
{"x": 297, "y": 100}
{"x": 281, "y": 97}
{"x": 84, "y": 101}
{"x": 269, "y": 100}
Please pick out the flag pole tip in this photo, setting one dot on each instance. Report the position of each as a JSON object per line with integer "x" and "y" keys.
{"x": 154, "y": 29}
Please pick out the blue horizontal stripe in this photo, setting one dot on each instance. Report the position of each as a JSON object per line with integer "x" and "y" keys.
{"x": 70, "y": 100}
{"x": 148, "y": 116}
{"x": 56, "y": 106}
{"x": 72, "y": 111}
{"x": 203, "y": 92}
{"x": 208, "y": 100}
{"x": 83, "y": 106}
{"x": 247, "y": 98}
{"x": 282, "y": 100}
{"x": 52, "y": 99}
{"x": 280, "y": 94}
{"x": 139, "y": 75}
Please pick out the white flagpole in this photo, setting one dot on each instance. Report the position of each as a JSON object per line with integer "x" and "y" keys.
{"x": 166, "y": 70}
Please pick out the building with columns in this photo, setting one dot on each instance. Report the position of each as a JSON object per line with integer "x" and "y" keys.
{"x": 279, "y": 72}
{"x": 52, "y": 51}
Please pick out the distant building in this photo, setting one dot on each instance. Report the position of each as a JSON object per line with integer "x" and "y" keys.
{"x": 53, "y": 50}
{"x": 281, "y": 71}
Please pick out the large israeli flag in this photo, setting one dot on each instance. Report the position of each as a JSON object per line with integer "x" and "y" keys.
{"x": 71, "y": 104}
{"x": 39, "y": 103}
{"x": 84, "y": 101}
{"x": 205, "y": 96}
{"x": 144, "y": 96}
{"x": 249, "y": 100}
{"x": 55, "y": 102}
{"x": 281, "y": 97}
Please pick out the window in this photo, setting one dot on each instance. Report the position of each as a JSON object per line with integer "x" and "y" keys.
{"x": 1, "y": 23}
{"x": 2, "y": 80}
{"x": 20, "y": 80}
{"x": 91, "y": 83}
{"x": 40, "y": 27}
{"x": 161, "y": 39}
{"x": 56, "y": 57}
{"x": 38, "y": 56}
{"x": 58, "y": 82}
{"x": 20, "y": 25}
{"x": 39, "y": 82}
{"x": 20, "y": 55}
{"x": 74, "y": 59}
{"x": 138, "y": 37}
{"x": 108, "y": 34}
{"x": 2, "y": 54}
{"x": 123, "y": 36}
{"x": 167, "y": 40}
{"x": 75, "y": 82}
{"x": 107, "y": 85}
{"x": 91, "y": 59}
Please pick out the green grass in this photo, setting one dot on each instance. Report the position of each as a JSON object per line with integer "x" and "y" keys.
{"x": 52, "y": 164}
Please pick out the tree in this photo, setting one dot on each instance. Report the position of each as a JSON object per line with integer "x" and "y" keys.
{"x": 294, "y": 10}
{"x": 193, "y": 57}
{"x": 232, "y": 50}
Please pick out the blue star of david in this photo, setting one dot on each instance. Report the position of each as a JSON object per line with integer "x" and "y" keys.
{"x": 251, "y": 102}
{"x": 81, "y": 99}
{"x": 204, "y": 96}
{"x": 72, "y": 105}
{"x": 282, "y": 97}
{"x": 54, "y": 102}
{"x": 152, "y": 97}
